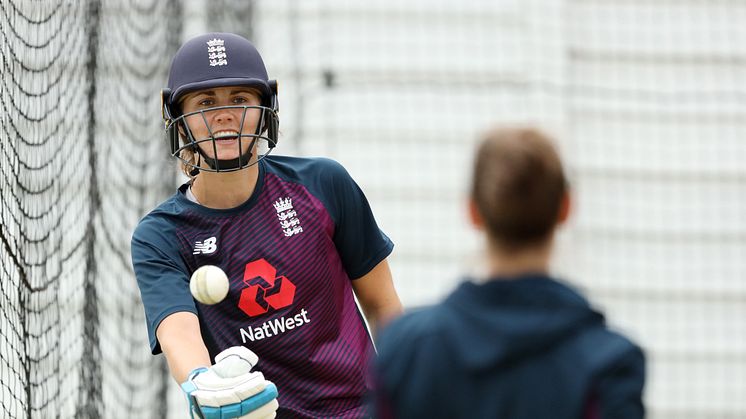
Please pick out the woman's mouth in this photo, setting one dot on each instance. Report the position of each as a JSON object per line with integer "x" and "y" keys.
{"x": 225, "y": 136}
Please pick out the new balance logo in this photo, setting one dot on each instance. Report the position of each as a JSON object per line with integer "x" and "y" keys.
{"x": 206, "y": 247}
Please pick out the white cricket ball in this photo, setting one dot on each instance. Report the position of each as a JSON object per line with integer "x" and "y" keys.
{"x": 209, "y": 284}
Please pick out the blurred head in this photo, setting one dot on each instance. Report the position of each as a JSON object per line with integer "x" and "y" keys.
{"x": 519, "y": 191}
{"x": 219, "y": 105}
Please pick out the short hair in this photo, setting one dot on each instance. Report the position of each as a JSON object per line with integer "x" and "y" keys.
{"x": 518, "y": 186}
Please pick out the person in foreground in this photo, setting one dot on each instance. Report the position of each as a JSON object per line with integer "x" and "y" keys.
{"x": 295, "y": 237}
{"x": 517, "y": 343}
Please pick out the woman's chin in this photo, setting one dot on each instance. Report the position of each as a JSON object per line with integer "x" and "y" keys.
{"x": 232, "y": 156}
{"x": 225, "y": 155}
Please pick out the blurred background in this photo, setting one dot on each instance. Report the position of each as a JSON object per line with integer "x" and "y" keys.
{"x": 645, "y": 98}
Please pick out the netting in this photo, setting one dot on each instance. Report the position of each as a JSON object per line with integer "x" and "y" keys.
{"x": 647, "y": 101}
{"x": 82, "y": 158}
{"x": 235, "y": 16}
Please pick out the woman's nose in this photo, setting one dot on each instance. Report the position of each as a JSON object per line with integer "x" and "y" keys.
{"x": 224, "y": 115}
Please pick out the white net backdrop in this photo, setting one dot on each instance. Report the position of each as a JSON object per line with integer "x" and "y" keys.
{"x": 647, "y": 104}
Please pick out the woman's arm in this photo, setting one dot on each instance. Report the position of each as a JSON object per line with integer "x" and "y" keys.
{"x": 377, "y": 296}
{"x": 181, "y": 341}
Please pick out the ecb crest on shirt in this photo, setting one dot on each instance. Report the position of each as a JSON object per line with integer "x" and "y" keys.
{"x": 288, "y": 217}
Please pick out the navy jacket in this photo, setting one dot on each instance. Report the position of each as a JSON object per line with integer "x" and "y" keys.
{"x": 528, "y": 347}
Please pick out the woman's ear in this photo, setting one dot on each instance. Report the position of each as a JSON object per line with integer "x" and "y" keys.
{"x": 475, "y": 218}
{"x": 565, "y": 208}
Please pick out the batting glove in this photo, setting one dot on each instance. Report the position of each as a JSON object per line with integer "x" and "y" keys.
{"x": 228, "y": 389}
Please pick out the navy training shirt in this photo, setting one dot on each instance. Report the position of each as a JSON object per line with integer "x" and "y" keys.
{"x": 290, "y": 253}
{"x": 528, "y": 347}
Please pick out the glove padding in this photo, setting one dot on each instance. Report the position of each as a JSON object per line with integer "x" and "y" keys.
{"x": 228, "y": 389}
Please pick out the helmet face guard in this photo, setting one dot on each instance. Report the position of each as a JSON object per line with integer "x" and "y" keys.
{"x": 211, "y": 61}
{"x": 181, "y": 137}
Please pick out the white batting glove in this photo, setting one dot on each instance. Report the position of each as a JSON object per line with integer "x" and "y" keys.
{"x": 229, "y": 389}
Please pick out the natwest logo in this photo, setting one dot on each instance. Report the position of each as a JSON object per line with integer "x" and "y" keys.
{"x": 265, "y": 289}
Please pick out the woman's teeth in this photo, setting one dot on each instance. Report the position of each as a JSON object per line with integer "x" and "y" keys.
{"x": 225, "y": 135}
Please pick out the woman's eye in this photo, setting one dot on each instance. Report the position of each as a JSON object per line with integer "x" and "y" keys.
{"x": 205, "y": 102}
{"x": 240, "y": 100}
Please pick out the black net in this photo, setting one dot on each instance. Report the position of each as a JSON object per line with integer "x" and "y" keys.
{"x": 82, "y": 158}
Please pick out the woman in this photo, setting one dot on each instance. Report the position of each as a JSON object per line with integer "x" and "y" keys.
{"x": 295, "y": 236}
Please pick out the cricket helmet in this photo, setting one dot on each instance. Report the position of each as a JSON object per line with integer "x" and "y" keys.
{"x": 216, "y": 60}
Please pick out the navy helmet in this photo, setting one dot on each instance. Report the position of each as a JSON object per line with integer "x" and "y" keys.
{"x": 218, "y": 60}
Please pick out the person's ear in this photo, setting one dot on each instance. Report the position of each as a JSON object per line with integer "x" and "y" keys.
{"x": 475, "y": 218}
{"x": 565, "y": 208}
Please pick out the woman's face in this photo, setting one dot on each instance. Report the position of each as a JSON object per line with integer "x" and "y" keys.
{"x": 224, "y": 124}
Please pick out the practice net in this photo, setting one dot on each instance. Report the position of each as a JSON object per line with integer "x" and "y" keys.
{"x": 648, "y": 104}
{"x": 82, "y": 158}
